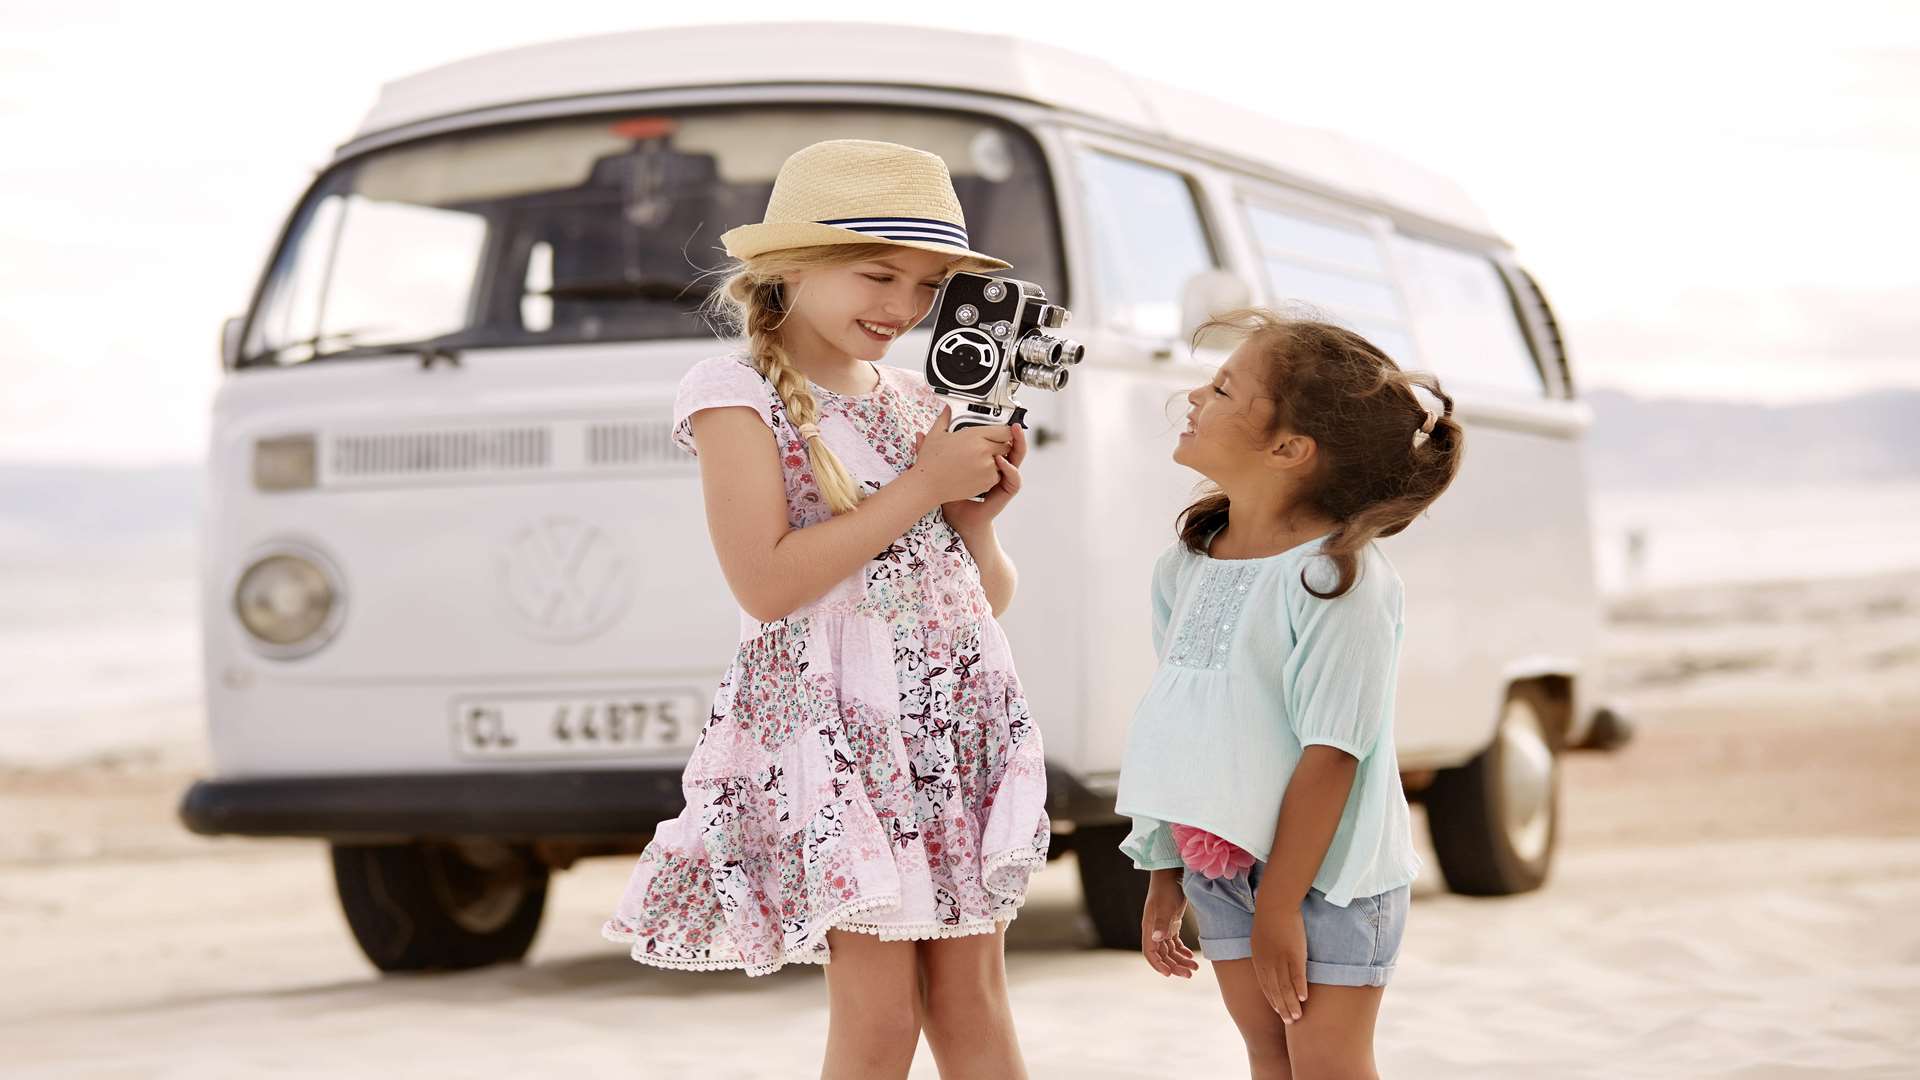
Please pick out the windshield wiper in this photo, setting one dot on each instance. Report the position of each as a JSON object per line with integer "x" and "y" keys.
{"x": 312, "y": 344}
{"x": 429, "y": 350}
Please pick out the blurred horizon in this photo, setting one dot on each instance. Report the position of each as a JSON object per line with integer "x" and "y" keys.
{"x": 1679, "y": 494}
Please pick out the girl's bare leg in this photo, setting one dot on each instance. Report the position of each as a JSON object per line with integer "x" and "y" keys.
{"x": 873, "y": 998}
{"x": 968, "y": 1018}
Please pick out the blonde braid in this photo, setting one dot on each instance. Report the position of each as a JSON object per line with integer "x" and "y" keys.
{"x": 761, "y": 313}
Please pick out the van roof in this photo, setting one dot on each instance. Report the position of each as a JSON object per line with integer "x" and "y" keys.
{"x": 879, "y": 54}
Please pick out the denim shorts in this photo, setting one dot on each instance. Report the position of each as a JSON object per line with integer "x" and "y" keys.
{"x": 1354, "y": 945}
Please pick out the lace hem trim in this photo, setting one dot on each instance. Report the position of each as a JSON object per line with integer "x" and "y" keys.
{"x": 1028, "y": 859}
{"x": 810, "y": 950}
{"x": 931, "y": 931}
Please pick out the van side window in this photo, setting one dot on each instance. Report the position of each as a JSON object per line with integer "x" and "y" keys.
{"x": 1148, "y": 241}
{"x": 1469, "y": 331}
{"x": 1335, "y": 269}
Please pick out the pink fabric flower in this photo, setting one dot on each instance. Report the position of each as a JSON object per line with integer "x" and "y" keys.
{"x": 1207, "y": 853}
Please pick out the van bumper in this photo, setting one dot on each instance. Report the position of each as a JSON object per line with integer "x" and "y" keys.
{"x": 518, "y": 805}
{"x": 579, "y": 804}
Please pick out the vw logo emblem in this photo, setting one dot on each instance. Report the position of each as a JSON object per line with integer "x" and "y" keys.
{"x": 563, "y": 579}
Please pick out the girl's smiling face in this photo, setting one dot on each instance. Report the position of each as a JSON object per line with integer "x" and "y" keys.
{"x": 1228, "y": 418}
{"x": 858, "y": 309}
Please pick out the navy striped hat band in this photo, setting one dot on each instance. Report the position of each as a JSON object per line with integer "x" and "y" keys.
{"x": 924, "y": 230}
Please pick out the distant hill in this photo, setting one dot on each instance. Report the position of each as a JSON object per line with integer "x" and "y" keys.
{"x": 1666, "y": 443}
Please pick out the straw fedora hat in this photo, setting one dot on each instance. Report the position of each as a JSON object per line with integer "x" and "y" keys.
{"x": 852, "y": 191}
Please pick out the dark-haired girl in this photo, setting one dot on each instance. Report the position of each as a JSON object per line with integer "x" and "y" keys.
{"x": 1260, "y": 772}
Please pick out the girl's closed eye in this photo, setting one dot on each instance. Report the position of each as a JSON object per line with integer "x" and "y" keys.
{"x": 887, "y": 279}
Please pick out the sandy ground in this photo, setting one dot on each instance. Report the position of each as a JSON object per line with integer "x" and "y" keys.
{"x": 1735, "y": 896}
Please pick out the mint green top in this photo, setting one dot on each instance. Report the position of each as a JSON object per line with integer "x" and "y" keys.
{"x": 1254, "y": 669}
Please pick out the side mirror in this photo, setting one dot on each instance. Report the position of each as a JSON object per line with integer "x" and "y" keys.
{"x": 230, "y": 342}
{"x": 1209, "y": 293}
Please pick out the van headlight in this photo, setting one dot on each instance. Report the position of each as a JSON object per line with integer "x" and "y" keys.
{"x": 290, "y": 601}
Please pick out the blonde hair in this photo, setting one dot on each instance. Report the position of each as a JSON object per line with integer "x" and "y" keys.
{"x": 751, "y": 302}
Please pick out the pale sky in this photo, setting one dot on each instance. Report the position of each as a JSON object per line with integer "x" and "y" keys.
{"x": 1719, "y": 198}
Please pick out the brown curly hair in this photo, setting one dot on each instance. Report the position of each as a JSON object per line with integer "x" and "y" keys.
{"x": 1377, "y": 469}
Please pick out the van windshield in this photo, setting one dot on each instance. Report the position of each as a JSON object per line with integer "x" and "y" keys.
{"x": 590, "y": 229}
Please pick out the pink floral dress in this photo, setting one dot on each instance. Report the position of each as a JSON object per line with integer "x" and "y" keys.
{"x": 869, "y": 763}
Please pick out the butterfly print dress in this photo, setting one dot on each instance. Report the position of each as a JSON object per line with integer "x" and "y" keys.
{"x": 869, "y": 763}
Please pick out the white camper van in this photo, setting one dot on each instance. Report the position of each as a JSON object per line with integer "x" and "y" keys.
{"x": 462, "y": 620}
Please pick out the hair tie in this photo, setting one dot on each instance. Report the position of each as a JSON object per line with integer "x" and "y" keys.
{"x": 1425, "y": 431}
{"x": 809, "y": 431}
{"x": 1428, "y": 417}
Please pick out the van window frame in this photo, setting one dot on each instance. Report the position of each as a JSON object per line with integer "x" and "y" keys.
{"x": 1194, "y": 172}
{"x": 1225, "y": 176}
{"x": 1551, "y": 388}
{"x": 1250, "y": 194}
{"x": 1540, "y": 326}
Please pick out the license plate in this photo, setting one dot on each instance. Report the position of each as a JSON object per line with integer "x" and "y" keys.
{"x": 587, "y": 725}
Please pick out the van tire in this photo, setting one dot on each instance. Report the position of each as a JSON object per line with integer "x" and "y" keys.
{"x": 1115, "y": 893}
{"x": 432, "y": 906}
{"x": 1496, "y": 819}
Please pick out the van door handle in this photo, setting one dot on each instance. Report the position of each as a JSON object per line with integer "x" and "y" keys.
{"x": 1043, "y": 435}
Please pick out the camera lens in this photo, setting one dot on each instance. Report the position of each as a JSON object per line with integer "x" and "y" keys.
{"x": 1042, "y": 378}
{"x": 1037, "y": 348}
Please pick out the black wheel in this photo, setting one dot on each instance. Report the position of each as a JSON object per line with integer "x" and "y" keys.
{"x": 1115, "y": 892}
{"x": 440, "y": 906}
{"x": 1494, "y": 820}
